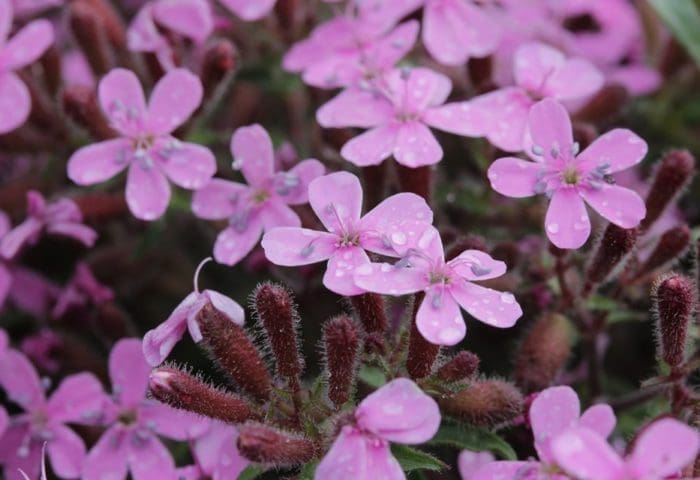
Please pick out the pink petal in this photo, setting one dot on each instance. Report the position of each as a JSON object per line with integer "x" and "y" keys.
{"x": 372, "y": 147}
{"x": 150, "y": 460}
{"x": 232, "y": 310}
{"x": 638, "y": 79}
{"x": 277, "y": 214}
{"x": 129, "y": 372}
{"x": 399, "y": 412}
{"x": 439, "y": 319}
{"x": 585, "y": 455}
{"x": 416, "y": 146}
{"x": 189, "y": 165}
{"x": 327, "y": 37}
{"x": 428, "y": 88}
{"x": 454, "y": 30}
{"x": 174, "y": 99}
{"x": 346, "y": 459}
{"x": 305, "y": 172}
{"x": 78, "y": 398}
{"x": 172, "y": 423}
{"x": 510, "y": 470}
{"x": 342, "y": 110}
{"x": 342, "y": 69}
{"x": 381, "y": 463}
{"x": 143, "y": 34}
{"x": 618, "y": 149}
{"x": 108, "y": 456}
{"x": 567, "y": 224}
{"x": 337, "y": 200}
{"x": 387, "y": 279}
{"x": 576, "y": 79}
{"x": 15, "y": 102}
{"x": 218, "y": 199}
{"x": 121, "y": 98}
{"x": 66, "y": 451}
{"x": 158, "y": 343}
{"x": 6, "y": 14}
{"x": 470, "y": 462}
{"x": 22, "y": 235}
{"x": 147, "y": 192}
{"x": 600, "y": 418}
{"x": 385, "y": 52}
{"x": 252, "y": 152}
{"x": 339, "y": 276}
{"x": 12, "y": 461}
{"x": 217, "y": 454}
{"x": 27, "y": 45}
{"x": 20, "y": 380}
{"x": 191, "y": 18}
{"x": 249, "y": 10}
{"x": 235, "y": 242}
{"x": 291, "y": 247}
{"x": 553, "y": 411}
{"x": 550, "y": 127}
{"x": 663, "y": 448}
{"x": 533, "y": 63}
{"x": 514, "y": 177}
{"x": 477, "y": 265}
{"x": 495, "y": 308}
{"x": 5, "y": 285}
{"x": 457, "y": 118}
{"x": 99, "y": 162}
{"x": 619, "y": 205}
{"x": 81, "y": 233}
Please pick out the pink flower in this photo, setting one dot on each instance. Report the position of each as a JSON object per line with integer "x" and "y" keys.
{"x": 146, "y": 147}
{"x": 260, "y": 205}
{"x": 131, "y": 442}
{"x": 158, "y": 343}
{"x": 398, "y": 412}
{"x": 249, "y": 10}
{"x": 217, "y": 454}
{"x": 82, "y": 290}
{"x": 62, "y": 217}
{"x": 447, "y": 286}
{"x": 31, "y": 292}
{"x": 41, "y": 348}
{"x": 78, "y": 399}
{"x": 24, "y": 48}
{"x": 470, "y": 462}
{"x": 398, "y": 109}
{"x": 553, "y": 412}
{"x": 569, "y": 178}
{"x": 540, "y": 71}
{"x": 337, "y": 201}
{"x": 660, "y": 451}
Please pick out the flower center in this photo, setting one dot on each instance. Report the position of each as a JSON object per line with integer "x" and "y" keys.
{"x": 128, "y": 417}
{"x": 260, "y": 196}
{"x": 571, "y": 176}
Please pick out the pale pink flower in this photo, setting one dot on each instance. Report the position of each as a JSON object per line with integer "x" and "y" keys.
{"x": 146, "y": 146}
{"x": 569, "y": 178}
{"x": 337, "y": 201}
{"x": 259, "y": 206}
{"x": 447, "y": 286}
{"x": 398, "y": 412}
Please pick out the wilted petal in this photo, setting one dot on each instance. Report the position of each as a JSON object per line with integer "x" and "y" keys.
{"x": 567, "y": 224}
{"x": 252, "y": 152}
{"x": 232, "y": 310}
{"x": 291, "y": 246}
{"x": 129, "y": 372}
{"x": 174, "y": 99}
{"x": 15, "y": 102}
{"x": 619, "y": 205}
{"x": 495, "y": 308}
{"x": 371, "y": 147}
{"x": 147, "y": 192}
{"x": 339, "y": 276}
{"x": 27, "y": 45}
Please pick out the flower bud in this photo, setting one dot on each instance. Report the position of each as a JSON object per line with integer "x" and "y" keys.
{"x": 543, "y": 353}
{"x": 264, "y": 444}
{"x": 416, "y": 180}
{"x": 670, "y": 246}
{"x": 421, "y": 353}
{"x": 80, "y": 104}
{"x": 185, "y": 392}
{"x": 370, "y": 310}
{"x": 90, "y": 34}
{"x": 671, "y": 177}
{"x": 674, "y": 301}
{"x": 341, "y": 346}
{"x": 220, "y": 60}
{"x": 614, "y": 246}
{"x": 485, "y": 403}
{"x": 607, "y": 103}
{"x": 461, "y": 366}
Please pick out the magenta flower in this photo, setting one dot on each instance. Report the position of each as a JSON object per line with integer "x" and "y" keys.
{"x": 660, "y": 451}
{"x": 158, "y": 343}
{"x": 62, "y": 217}
{"x": 553, "y": 412}
{"x": 398, "y": 109}
{"x": 82, "y": 290}
{"x": 259, "y": 206}
{"x": 398, "y": 412}
{"x": 447, "y": 286}
{"x": 337, "y": 201}
{"x": 31, "y": 292}
{"x": 569, "y": 178}
{"x": 24, "y": 48}
{"x": 501, "y": 116}
{"x": 131, "y": 442}
{"x": 216, "y": 453}
{"x": 146, "y": 146}
{"x": 78, "y": 399}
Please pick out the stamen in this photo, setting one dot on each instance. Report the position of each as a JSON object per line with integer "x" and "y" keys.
{"x": 197, "y": 271}
{"x": 575, "y": 148}
{"x": 555, "y": 152}
{"x": 537, "y": 150}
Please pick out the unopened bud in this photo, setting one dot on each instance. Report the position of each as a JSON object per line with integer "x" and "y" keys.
{"x": 614, "y": 246}
{"x": 485, "y": 403}
{"x": 421, "y": 353}
{"x": 461, "y": 366}
{"x": 417, "y": 180}
{"x": 370, "y": 310}
{"x": 670, "y": 179}
{"x": 264, "y": 444}
{"x": 674, "y": 302}
{"x": 80, "y": 104}
{"x": 341, "y": 345}
{"x": 669, "y": 247}
{"x": 90, "y": 34}
{"x": 543, "y": 353}
{"x": 607, "y": 103}
{"x": 183, "y": 391}
{"x": 219, "y": 62}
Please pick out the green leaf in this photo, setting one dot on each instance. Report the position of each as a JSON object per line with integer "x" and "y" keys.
{"x": 683, "y": 18}
{"x": 308, "y": 471}
{"x": 251, "y": 472}
{"x": 411, "y": 459}
{"x": 372, "y": 376}
{"x": 472, "y": 438}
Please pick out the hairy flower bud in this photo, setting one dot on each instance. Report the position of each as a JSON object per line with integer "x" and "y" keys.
{"x": 674, "y": 301}
{"x": 421, "y": 353}
{"x": 417, "y": 180}
{"x": 370, "y": 310}
{"x": 264, "y": 444}
{"x": 607, "y": 103}
{"x": 220, "y": 60}
{"x": 186, "y": 392}
{"x": 672, "y": 175}
{"x": 485, "y": 403}
{"x": 614, "y": 246}
{"x": 341, "y": 346}
{"x": 670, "y": 246}
{"x": 80, "y": 104}
{"x": 461, "y": 366}
{"x": 543, "y": 353}
{"x": 90, "y": 34}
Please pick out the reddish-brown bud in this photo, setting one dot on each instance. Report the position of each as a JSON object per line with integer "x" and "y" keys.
{"x": 417, "y": 180}
{"x": 670, "y": 179}
{"x": 461, "y": 366}
{"x": 614, "y": 246}
{"x": 421, "y": 353}
{"x": 220, "y": 60}
{"x": 235, "y": 352}
{"x": 80, "y": 104}
{"x": 185, "y": 392}
{"x": 670, "y": 246}
{"x": 264, "y": 444}
{"x": 674, "y": 302}
{"x": 89, "y": 32}
{"x": 607, "y": 103}
{"x": 111, "y": 22}
{"x": 543, "y": 353}
{"x": 278, "y": 317}
{"x": 341, "y": 346}
{"x": 370, "y": 310}
{"x": 485, "y": 403}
